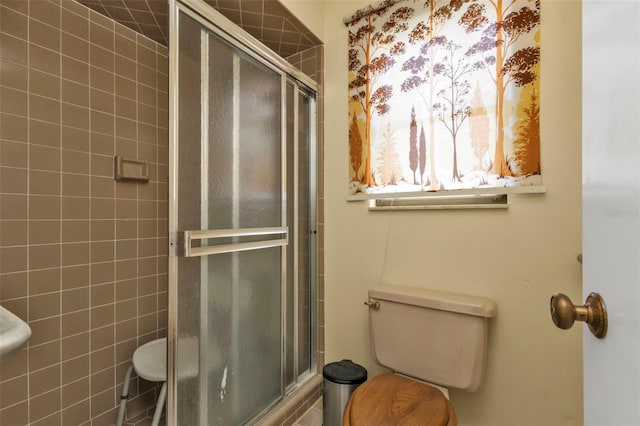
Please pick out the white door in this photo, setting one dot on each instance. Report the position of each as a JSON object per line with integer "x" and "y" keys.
{"x": 611, "y": 206}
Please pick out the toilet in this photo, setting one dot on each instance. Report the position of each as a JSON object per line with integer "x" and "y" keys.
{"x": 432, "y": 341}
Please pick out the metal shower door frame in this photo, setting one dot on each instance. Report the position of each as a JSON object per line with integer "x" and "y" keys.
{"x": 180, "y": 242}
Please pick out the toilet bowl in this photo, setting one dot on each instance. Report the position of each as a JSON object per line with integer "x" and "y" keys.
{"x": 432, "y": 340}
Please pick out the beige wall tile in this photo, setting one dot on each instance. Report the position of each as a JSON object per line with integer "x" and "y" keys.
{"x": 44, "y": 207}
{"x": 75, "y": 70}
{"x": 147, "y": 324}
{"x": 102, "y": 187}
{"x": 102, "y": 272}
{"x": 14, "y": 76}
{"x": 75, "y": 116}
{"x": 102, "y": 337}
{"x": 44, "y": 109}
{"x": 75, "y": 323}
{"x": 75, "y": 276}
{"x": 47, "y": 12}
{"x": 44, "y": 183}
{"x": 13, "y": 101}
{"x": 75, "y": 208}
{"x": 101, "y": 79}
{"x": 103, "y": 381}
{"x": 102, "y": 251}
{"x": 126, "y": 190}
{"x": 75, "y": 93}
{"x": 75, "y": 231}
{"x": 74, "y": 161}
{"x": 72, "y": 394}
{"x": 76, "y": 414}
{"x": 14, "y": 49}
{"x": 75, "y": 345}
{"x": 126, "y": 249}
{"x": 74, "y": 23}
{"x": 126, "y": 330}
{"x": 101, "y": 36}
{"x": 15, "y": 415}
{"x": 44, "y": 35}
{"x": 44, "y": 306}
{"x": 101, "y": 58}
{"x": 77, "y": 140}
{"x": 102, "y": 315}
{"x": 14, "y": 285}
{"x": 44, "y": 380}
{"x": 75, "y": 253}
{"x": 43, "y": 405}
{"x": 75, "y": 369}
{"x": 13, "y": 259}
{"x": 75, "y": 47}
{"x": 44, "y": 331}
{"x": 126, "y": 128}
{"x": 103, "y": 294}
{"x": 14, "y": 23}
{"x": 103, "y": 359}
{"x": 126, "y": 310}
{"x": 44, "y": 281}
{"x": 13, "y": 180}
{"x": 44, "y": 256}
{"x": 102, "y": 402}
{"x": 75, "y": 300}
{"x": 13, "y": 232}
{"x": 44, "y": 158}
{"x": 75, "y": 185}
{"x": 13, "y": 206}
{"x": 13, "y": 128}
{"x": 14, "y": 366}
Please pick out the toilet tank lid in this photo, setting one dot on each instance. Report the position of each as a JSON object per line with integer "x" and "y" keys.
{"x": 434, "y": 299}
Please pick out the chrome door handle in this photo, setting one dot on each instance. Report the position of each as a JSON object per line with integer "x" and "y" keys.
{"x": 594, "y": 312}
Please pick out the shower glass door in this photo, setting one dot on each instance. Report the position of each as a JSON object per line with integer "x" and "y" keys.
{"x": 239, "y": 312}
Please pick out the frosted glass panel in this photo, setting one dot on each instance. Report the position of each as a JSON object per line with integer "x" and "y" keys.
{"x": 303, "y": 237}
{"x": 221, "y": 135}
{"x": 260, "y": 146}
{"x": 229, "y": 176}
{"x": 189, "y": 103}
{"x": 289, "y": 369}
{"x": 244, "y": 171}
{"x": 244, "y": 347}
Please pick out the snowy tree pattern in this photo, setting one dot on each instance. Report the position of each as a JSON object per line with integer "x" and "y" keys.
{"x": 448, "y": 89}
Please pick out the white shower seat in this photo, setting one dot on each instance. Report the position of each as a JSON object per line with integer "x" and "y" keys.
{"x": 150, "y": 363}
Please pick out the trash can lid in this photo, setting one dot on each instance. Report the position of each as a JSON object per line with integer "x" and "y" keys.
{"x": 345, "y": 372}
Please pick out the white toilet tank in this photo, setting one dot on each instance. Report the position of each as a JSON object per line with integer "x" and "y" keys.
{"x": 435, "y": 336}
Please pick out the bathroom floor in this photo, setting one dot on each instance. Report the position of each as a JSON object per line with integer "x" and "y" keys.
{"x": 313, "y": 416}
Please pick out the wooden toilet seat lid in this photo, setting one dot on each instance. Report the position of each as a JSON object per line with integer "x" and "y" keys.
{"x": 389, "y": 399}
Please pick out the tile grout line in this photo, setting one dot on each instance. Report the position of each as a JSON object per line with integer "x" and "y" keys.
{"x": 90, "y": 151}
{"x": 60, "y": 211}
{"x": 28, "y": 212}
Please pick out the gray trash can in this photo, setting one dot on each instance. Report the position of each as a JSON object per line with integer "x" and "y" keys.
{"x": 340, "y": 380}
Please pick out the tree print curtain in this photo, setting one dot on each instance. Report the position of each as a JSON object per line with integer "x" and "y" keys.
{"x": 444, "y": 96}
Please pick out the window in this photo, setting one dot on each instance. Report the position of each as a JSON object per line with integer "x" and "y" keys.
{"x": 444, "y": 96}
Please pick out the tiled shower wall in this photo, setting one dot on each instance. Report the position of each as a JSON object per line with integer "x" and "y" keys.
{"x": 82, "y": 257}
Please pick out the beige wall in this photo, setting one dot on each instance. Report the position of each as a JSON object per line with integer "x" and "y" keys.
{"x": 518, "y": 257}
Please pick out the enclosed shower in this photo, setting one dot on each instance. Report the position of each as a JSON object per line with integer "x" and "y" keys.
{"x": 242, "y": 225}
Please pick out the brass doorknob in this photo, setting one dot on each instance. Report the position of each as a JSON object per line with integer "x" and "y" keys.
{"x": 564, "y": 313}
